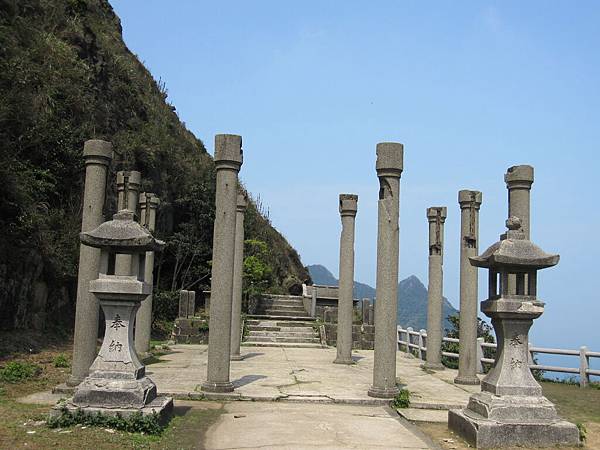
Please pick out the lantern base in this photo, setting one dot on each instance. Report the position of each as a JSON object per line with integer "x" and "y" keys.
{"x": 508, "y": 421}
{"x": 161, "y": 405}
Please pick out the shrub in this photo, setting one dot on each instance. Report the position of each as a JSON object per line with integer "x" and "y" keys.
{"x": 582, "y": 432}
{"x": 61, "y": 361}
{"x": 402, "y": 400}
{"x": 136, "y": 423}
{"x": 17, "y": 371}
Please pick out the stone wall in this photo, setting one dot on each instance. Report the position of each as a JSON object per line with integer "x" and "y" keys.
{"x": 363, "y": 336}
{"x": 190, "y": 331}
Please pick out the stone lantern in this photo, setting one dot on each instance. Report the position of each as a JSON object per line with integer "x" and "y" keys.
{"x": 117, "y": 382}
{"x": 510, "y": 410}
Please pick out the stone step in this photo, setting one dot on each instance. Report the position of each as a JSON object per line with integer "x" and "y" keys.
{"x": 282, "y": 307}
{"x": 284, "y": 313}
{"x": 284, "y": 339}
{"x": 280, "y": 317}
{"x": 281, "y": 322}
{"x": 307, "y": 334}
{"x": 280, "y": 344}
{"x": 287, "y": 301}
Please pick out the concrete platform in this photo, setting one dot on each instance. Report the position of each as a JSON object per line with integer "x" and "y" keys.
{"x": 306, "y": 426}
{"x": 303, "y": 375}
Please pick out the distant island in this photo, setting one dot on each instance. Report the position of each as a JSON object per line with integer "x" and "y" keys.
{"x": 412, "y": 297}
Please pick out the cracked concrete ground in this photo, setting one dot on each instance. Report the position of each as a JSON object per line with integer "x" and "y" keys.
{"x": 304, "y": 375}
{"x": 254, "y": 425}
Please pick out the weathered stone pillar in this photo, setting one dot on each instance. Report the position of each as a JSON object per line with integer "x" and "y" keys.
{"x": 518, "y": 182}
{"x": 348, "y": 208}
{"x": 436, "y": 217}
{"x": 238, "y": 274}
{"x": 470, "y": 202}
{"x": 389, "y": 170}
{"x": 98, "y": 155}
{"x": 143, "y": 322}
{"x": 228, "y": 161}
{"x": 128, "y": 189}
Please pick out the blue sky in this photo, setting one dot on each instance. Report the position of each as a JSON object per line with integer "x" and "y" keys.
{"x": 470, "y": 88}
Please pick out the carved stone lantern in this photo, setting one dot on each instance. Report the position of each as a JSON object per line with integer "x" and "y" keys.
{"x": 510, "y": 410}
{"x": 117, "y": 382}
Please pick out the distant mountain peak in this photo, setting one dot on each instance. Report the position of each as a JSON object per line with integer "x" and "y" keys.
{"x": 412, "y": 297}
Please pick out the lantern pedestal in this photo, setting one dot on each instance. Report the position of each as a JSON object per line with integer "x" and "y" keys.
{"x": 511, "y": 410}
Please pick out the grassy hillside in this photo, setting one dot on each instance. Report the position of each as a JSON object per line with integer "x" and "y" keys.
{"x": 66, "y": 76}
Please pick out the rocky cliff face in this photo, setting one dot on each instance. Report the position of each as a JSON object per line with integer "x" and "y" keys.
{"x": 66, "y": 76}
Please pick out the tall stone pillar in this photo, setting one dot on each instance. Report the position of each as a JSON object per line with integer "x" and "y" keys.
{"x": 228, "y": 161}
{"x": 390, "y": 156}
{"x": 348, "y": 208}
{"x": 238, "y": 274}
{"x": 436, "y": 217}
{"x": 518, "y": 182}
{"x": 98, "y": 155}
{"x": 148, "y": 205}
{"x": 128, "y": 190}
{"x": 470, "y": 202}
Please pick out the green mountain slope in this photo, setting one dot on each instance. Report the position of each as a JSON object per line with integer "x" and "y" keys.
{"x": 412, "y": 297}
{"x": 66, "y": 76}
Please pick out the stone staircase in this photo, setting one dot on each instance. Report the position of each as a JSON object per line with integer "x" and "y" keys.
{"x": 281, "y": 306}
{"x": 281, "y": 321}
{"x": 281, "y": 333}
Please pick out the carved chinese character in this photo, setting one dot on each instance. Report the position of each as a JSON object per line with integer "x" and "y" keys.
{"x": 516, "y": 341}
{"x": 117, "y": 323}
{"x": 115, "y": 346}
{"x": 516, "y": 363}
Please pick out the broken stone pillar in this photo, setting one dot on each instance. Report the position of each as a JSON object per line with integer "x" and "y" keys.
{"x": 117, "y": 383}
{"x": 128, "y": 189}
{"x": 348, "y": 208}
{"x": 436, "y": 217}
{"x": 510, "y": 410}
{"x": 148, "y": 204}
{"x": 97, "y": 155}
{"x": 518, "y": 181}
{"x": 470, "y": 202}
{"x": 183, "y": 304}
{"x": 228, "y": 161}
{"x": 389, "y": 168}
{"x": 365, "y": 302}
{"x": 238, "y": 274}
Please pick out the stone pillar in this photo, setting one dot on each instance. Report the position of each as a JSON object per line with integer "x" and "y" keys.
{"x": 348, "y": 208}
{"x": 98, "y": 155}
{"x": 143, "y": 322}
{"x": 238, "y": 274}
{"x": 389, "y": 170}
{"x": 128, "y": 189}
{"x": 436, "y": 217}
{"x": 313, "y": 302}
{"x": 470, "y": 202}
{"x": 228, "y": 161}
{"x": 184, "y": 304}
{"x": 518, "y": 182}
{"x": 365, "y": 302}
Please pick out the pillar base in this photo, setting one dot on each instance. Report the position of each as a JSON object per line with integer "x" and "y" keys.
{"x": 217, "y": 386}
{"x": 433, "y": 366}
{"x": 377, "y": 392}
{"x": 486, "y": 433}
{"x": 344, "y": 361}
{"x": 472, "y": 381}
{"x": 236, "y": 358}
{"x": 73, "y": 382}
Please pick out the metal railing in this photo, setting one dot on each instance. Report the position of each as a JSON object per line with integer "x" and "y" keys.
{"x": 417, "y": 341}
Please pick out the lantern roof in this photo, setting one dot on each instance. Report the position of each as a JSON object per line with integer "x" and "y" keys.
{"x": 122, "y": 235}
{"x": 514, "y": 252}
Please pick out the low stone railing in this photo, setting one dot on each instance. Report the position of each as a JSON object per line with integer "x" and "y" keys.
{"x": 417, "y": 340}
